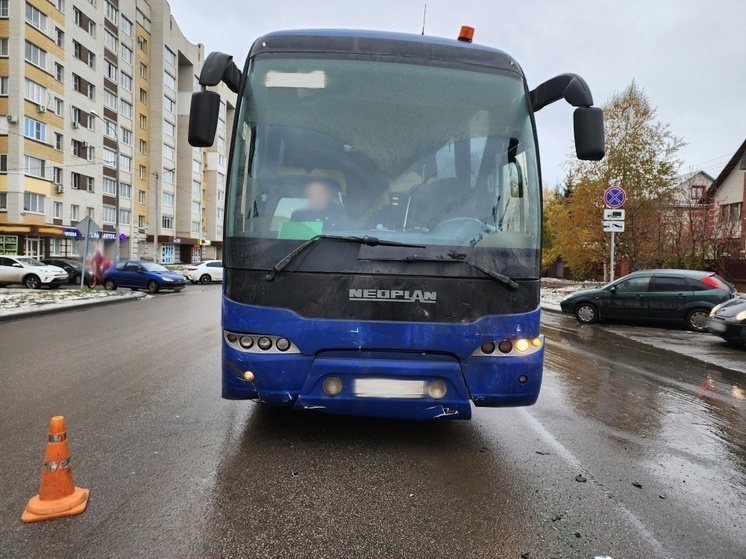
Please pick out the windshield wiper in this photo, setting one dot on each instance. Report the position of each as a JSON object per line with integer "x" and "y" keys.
{"x": 366, "y": 240}
{"x": 456, "y": 257}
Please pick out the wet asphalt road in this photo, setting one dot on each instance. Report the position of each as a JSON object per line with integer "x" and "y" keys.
{"x": 174, "y": 471}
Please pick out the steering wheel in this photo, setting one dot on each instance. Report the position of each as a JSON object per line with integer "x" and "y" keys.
{"x": 482, "y": 225}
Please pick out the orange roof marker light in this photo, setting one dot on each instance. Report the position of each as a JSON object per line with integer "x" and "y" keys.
{"x": 466, "y": 34}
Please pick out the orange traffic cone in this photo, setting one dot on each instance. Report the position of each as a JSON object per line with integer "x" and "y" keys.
{"x": 58, "y": 495}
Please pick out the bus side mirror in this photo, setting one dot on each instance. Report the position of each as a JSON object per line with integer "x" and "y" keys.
{"x": 589, "y": 133}
{"x": 203, "y": 118}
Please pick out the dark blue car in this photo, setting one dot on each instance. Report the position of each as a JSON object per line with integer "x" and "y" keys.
{"x": 139, "y": 274}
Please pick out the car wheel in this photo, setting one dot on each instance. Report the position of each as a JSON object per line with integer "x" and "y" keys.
{"x": 205, "y": 279}
{"x": 696, "y": 320}
{"x": 32, "y": 282}
{"x": 75, "y": 279}
{"x": 586, "y": 313}
{"x": 109, "y": 284}
{"x": 153, "y": 286}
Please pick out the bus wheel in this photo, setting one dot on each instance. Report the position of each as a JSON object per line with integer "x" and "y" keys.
{"x": 586, "y": 313}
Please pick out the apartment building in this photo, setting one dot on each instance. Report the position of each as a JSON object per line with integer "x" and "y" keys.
{"x": 94, "y": 101}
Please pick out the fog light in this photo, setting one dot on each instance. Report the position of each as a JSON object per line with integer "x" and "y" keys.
{"x": 332, "y": 386}
{"x": 505, "y": 346}
{"x": 437, "y": 389}
{"x": 522, "y": 345}
{"x": 282, "y": 344}
{"x": 536, "y": 342}
{"x": 488, "y": 348}
{"x": 248, "y": 375}
{"x": 523, "y": 379}
{"x": 247, "y": 342}
{"x": 232, "y": 338}
{"x": 264, "y": 343}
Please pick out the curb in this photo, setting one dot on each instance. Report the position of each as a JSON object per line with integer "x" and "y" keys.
{"x": 57, "y": 309}
{"x": 551, "y": 307}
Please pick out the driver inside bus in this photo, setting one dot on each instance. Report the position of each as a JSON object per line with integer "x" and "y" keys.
{"x": 324, "y": 206}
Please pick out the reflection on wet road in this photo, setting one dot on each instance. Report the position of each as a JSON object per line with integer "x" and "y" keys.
{"x": 630, "y": 452}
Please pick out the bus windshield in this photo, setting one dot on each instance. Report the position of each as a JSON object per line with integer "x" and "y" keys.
{"x": 403, "y": 151}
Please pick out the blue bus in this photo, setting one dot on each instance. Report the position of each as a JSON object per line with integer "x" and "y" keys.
{"x": 382, "y": 235}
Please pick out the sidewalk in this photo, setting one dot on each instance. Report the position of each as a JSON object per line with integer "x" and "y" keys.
{"x": 16, "y": 304}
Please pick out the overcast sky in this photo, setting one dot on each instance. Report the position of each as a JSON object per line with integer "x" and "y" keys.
{"x": 688, "y": 55}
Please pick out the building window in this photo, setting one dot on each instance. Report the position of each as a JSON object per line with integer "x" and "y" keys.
{"x": 221, "y": 142}
{"x": 3, "y": 162}
{"x": 110, "y": 42}
{"x": 56, "y": 245}
{"x": 169, "y": 81}
{"x": 126, "y": 137}
{"x": 109, "y": 214}
{"x": 91, "y": 28}
{"x": 91, "y": 94}
{"x": 90, "y": 212}
{"x": 143, "y": 121}
{"x": 196, "y": 207}
{"x": 169, "y": 128}
{"x": 142, "y": 171}
{"x": 74, "y": 212}
{"x": 58, "y": 141}
{"x": 143, "y": 96}
{"x": 168, "y": 177}
{"x": 125, "y": 163}
{"x": 3, "y": 85}
{"x": 33, "y": 166}
{"x": 110, "y": 187}
{"x": 143, "y": 70}
{"x": 92, "y": 60}
{"x": 169, "y": 104}
{"x": 4, "y": 12}
{"x": 59, "y": 37}
{"x": 110, "y": 158}
{"x": 57, "y": 210}
{"x": 34, "y": 129}
{"x": 734, "y": 212}
{"x": 143, "y": 42}
{"x": 143, "y": 146}
{"x": 220, "y": 214}
{"x": 196, "y": 166}
{"x": 168, "y": 200}
{"x": 125, "y": 217}
{"x": 35, "y": 92}
{"x": 127, "y": 27}
{"x": 59, "y": 106}
{"x": 168, "y": 152}
{"x": 140, "y": 196}
{"x": 110, "y": 99}
{"x": 221, "y": 195}
{"x": 57, "y": 175}
{"x": 110, "y": 71}
{"x": 126, "y": 54}
{"x": 196, "y": 187}
{"x": 35, "y": 55}
{"x": 3, "y": 201}
{"x": 221, "y": 179}
{"x": 125, "y": 190}
{"x": 110, "y": 129}
{"x": 170, "y": 57}
{"x": 126, "y": 109}
{"x": 221, "y": 160}
{"x": 196, "y": 227}
{"x": 59, "y": 72}
{"x": 36, "y": 18}
{"x": 111, "y": 13}
{"x": 167, "y": 222}
{"x": 140, "y": 221}
{"x": 167, "y": 252}
{"x": 126, "y": 81}
{"x": 33, "y": 203}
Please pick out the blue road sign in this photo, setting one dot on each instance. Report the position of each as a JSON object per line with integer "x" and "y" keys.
{"x": 615, "y": 197}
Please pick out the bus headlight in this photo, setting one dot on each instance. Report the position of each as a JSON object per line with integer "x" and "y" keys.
{"x": 437, "y": 389}
{"x": 264, "y": 343}
{"x": 510, "y": 348}
{"x": 522, "y": 345}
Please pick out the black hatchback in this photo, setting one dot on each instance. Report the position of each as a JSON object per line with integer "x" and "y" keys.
{"x": 653, "y": 295}
{"x": 72, "y": 267}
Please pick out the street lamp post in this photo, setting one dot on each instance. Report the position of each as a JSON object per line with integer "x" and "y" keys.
{"x": 116, "y": 179}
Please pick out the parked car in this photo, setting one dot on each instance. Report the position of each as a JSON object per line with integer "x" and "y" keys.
{"x": 652, "y": 295}
{"x": 729, "y": 321}
{"x": 205, "y": 272}
{"x": 28, "y": 271}
{"x": 72, "y": 267}
{"x": 139, "y": 274}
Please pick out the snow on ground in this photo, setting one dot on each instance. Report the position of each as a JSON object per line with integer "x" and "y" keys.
{"x": 553, "y": 290}
{"x": 28, "y": 298}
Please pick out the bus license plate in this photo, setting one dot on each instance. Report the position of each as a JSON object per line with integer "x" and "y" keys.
{"x": 388, "y": 388}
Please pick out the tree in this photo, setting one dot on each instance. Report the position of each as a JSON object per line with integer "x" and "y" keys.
{"x": 641, "y": 158}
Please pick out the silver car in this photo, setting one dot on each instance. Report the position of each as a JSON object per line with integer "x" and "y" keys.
{"x": 25, "y": 270}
